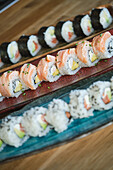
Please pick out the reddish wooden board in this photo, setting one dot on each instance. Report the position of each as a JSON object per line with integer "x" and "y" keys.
{"x": 8, "y": 105}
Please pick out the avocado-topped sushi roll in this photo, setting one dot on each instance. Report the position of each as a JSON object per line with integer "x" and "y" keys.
{"x": 34, "y": 122}
{"x": 67, "y": 62}
{"x": 29, "y": 76}
{"x": 64, "y": 31}
{"x": 80, "y": 105}
{"x": 47, "y": 37}
{"x": 103, "y": 45}
{"x": 29, "y": 45}
{"x": 10, "y": 84}
{"x": 100, "y": 95}
{"x": 10, "y": 52}
{"x": 47, "y": 69}
{"x": 58, "y": 115}
{"x": 2, "y": 145}
{"x": 100, "y": 18}
{"x": 82, "y": 25}
{"x": 86, "y": 54}
{"x": 12, "y": 132}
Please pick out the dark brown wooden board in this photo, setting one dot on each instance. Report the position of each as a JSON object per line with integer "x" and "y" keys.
{"x": 8, "y": 105}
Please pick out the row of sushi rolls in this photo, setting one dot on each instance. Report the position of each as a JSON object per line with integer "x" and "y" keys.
{"x": 38, "y": 121}
{"x": 64, "y": 31}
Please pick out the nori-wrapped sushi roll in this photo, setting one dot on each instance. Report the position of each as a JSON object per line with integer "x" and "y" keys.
{"x": 10, "y": 52}
{"x": 1, "y": 63}
{"x": 28, "y": 45}
{"x": 100, "y": 18}
{"x": 64, "y": 31}
{"x": 82, "y": 25}
{"x": 47, "y": 37}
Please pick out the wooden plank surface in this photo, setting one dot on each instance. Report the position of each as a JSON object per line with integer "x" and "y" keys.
{"x": 92, "y": 152}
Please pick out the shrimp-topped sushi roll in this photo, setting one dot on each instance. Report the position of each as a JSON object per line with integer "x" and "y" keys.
{"x": 103, "y": 45}
{"x": 2, "y": 145}
{"x": 10, "y": 84}
{"x": 80, "y": 105}
{"x": 82, "y": 25}
{"x": 100, "y": 95}
{"x": 47, "y": 69}
{"x": 100, "y": 18}
{"x": 12, "y": 132}
{"x": 58, "y": 115}
{"x": 29, "y": 76}
{"x": 86, "y": 54}
{"x": 34, "y": 122}
{"x": 10, "y": 52}
{"x": 67, "y": 62}
{"x": 64, "y": 31}
{"x": 29, "y": 45}
{"x": 47, "y": 37}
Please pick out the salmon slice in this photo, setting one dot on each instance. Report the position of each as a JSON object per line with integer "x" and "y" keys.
{"x": 82, "y": 50}
{"x": 99, "y": 41}
{"x": 26, "y": 73}
{"x": 68, "y": 115}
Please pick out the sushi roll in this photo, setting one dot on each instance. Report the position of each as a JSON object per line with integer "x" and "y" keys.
{"x": 100, "y": 18}
{"x": 29, "y": 76}
{"x": 1, "y": 63}
{"x": 80, "y": 105}
{"x": 82, "y": 25}
{"x": 12, "y": 132}
{"x": 34, "y": 122}
{"x": 86, "y": 54}
{"x": 29, "y": 45}
{"x": 10, "y": 84}
{"x": 10, "y": 52}
{"x": 100, "y": 95}
{"x": 47, "y": 37}
{"x": 103, "y": 45}
{"x": 64, "y": 31}
{"x": 58, "y": 115}
{"x": 67, "y": 62}
{"x": 47, "y": 69}
{"x": 2, "y": 145}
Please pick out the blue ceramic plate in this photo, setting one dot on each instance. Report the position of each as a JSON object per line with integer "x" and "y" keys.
{"x": 77, "y": 128}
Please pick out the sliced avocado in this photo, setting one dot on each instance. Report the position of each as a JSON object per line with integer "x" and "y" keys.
{"x": 56, "y": 72}
{"x": 109, "y": 94}
{"x": 33, "y": 47}
{"x": 52, "y": 32}
{"x": 37, "y": 79}
{"x": 93, "y": 58}
{"x": 44, "y": 125}
{"x": 19, "y": 133}
{"x": 1, "y": 143}
{"x": 70, "y": 28}
{"x": 106, "y": 17}
{"x": 18, "y": 87}
{"x": 75, "y": 65}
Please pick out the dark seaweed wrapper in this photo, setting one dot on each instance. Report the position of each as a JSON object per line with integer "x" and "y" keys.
{"x": 95, "y": 19}
{"x": 3, "y": 52}
{"x": 76, "y": 25}
{"x": 41, "y": 37}
{"x": 22, "y": 46}
{"x": 58, "y": 29}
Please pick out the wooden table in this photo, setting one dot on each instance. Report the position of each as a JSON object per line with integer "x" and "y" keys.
{"x": 92, "y": 152}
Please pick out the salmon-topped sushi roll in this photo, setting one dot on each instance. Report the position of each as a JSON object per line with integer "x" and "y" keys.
{"x": 47, "y": 69}
{"x": 103, "y": 45}
{"x": 86, "y": 54}
{"x": 10, "y": 84}
{"x": 29, "y": 76}
{"x": 67, "y": 62}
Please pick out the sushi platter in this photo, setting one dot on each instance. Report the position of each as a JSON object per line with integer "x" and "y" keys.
{"x": 57, "y": 90}
{"x": 54, "y": 137}
{"x": 16, "y": 53}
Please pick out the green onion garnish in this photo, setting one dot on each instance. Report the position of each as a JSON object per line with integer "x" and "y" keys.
{"x": 24, "y": 94}
{"x": 90, "y": 45}
{"x": 2, "y": 84}
{"x": 101, "y": 35}
{"x": 48, "y": 87}
{"x": 39, "y": 85}
{"x": 82, "y": 41}
{"x": 105, "y": 60}
{"x": 76, "y": 44}
{"x": 28, "y": 65}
